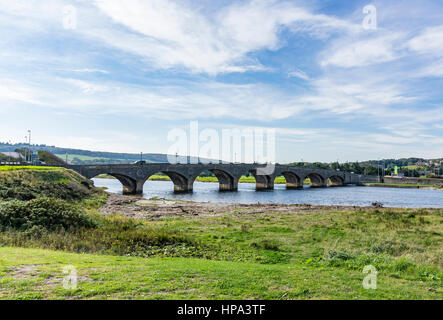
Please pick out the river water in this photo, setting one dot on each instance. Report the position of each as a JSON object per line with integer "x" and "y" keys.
{"x": 349, "y": 195}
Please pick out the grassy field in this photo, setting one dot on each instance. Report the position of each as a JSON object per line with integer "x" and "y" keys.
{"x": 305, "y": 255}
{"x": 78, "y": 156}
{"x": 32, "y": 168}
{"x": 403, "y": 185}
{"x": 244, "y": 253}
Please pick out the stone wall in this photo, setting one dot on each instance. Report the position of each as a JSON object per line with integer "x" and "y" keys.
{"x": 424, "y": 181}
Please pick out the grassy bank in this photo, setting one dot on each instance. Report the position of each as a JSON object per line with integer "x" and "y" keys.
{"x": 300, "y": 255}
{"x": 27, "y": 168}
{"x": 402, "y": 185}
{"x": 244, "y": 253}
{"x": 29, "y": 182}
{"x": 37, "y": 274}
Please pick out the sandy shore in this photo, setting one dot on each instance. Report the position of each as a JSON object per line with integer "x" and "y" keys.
{"x": 157, "y": 209}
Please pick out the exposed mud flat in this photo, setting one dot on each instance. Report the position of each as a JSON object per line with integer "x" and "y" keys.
{"x": 157, "y": 209}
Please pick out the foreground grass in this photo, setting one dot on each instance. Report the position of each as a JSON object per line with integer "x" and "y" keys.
{"x": 37, "y": 274}
{"x": 299, "y": 255}
{"x": 31, "y": 168}
{"x": 246, "y": 253}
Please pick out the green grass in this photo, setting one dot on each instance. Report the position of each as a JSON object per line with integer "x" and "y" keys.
{"x": 26, "y": 183}
{"x": 243, "y": 179}
{"x": 403, "y": 185}
{"x": 109, "y": 277}
{"x": 29, "y": 168}
{"x": 243, "y": 254}
{"x": 303, "y": 255}
{"x": 78, "y": 156}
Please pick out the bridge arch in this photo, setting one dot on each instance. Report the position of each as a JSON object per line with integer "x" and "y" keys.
{"x": 293, "y": 181}
{"x": 317, "y": 180}
{"x": 129, "y": 184}
{"x": 226, "y": 180}
{"x": 336, "y": 180}
{"x": 180, "y": 181}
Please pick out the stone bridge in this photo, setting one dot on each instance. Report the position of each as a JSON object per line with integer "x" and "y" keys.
{"x": 133, "y": 176}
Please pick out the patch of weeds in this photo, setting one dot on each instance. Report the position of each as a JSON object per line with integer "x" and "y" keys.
{"x": 266, "y": 244}
{"x": 390, "y": 247}
{"x": 338, "y": 255}
{"x": 245, "y": 228}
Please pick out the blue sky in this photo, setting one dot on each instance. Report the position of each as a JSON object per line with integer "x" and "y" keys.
{"x": 129, "y": 71}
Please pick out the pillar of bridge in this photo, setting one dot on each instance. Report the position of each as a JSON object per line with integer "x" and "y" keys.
{"x": 183, "y": 187}
{"x": 139, "y": 186}
{"x": 226, "y": 180}
{"x": 129, "y": 184}
{"x": 263, "y": 182}
{"x": 296, "y": 185}
{"x": 229, "y": 185}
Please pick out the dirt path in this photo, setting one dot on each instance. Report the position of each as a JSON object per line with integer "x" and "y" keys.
{"x": 157, "y": 209}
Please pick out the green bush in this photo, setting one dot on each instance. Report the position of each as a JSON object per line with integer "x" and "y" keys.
{"x": 49, "y": 213}
{"x": 267, "y": 245}
{"x": 337, "y": 256}
{"x": 31, "y": 184}
{"x": 114, "y": 235}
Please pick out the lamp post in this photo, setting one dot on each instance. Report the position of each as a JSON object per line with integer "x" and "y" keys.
{"x": 378, "y": 170}
{"x": 25, "y": 151}
{"x": 29, "y": 146}
{"x": 9, "y": 158}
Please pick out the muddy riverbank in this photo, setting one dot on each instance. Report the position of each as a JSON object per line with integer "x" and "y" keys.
{"x": 158, "y": 208}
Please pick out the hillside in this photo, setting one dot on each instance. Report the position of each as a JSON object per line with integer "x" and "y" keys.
{"x": 26, "y": 183}
{"x": 78, "y": 156}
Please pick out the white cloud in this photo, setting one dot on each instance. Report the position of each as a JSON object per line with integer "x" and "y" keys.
{"x": 171, "y": 34}
{"x": 87, "y": 70}
{"x": 298, "y": 74}
{"x": 12, "y": 91}
{"x": 430, "y": 41}
{"x": 351, "y": 52}
{"x": 87, "y": 87}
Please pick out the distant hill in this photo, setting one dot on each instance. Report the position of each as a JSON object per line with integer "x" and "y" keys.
{"x": 78, "y": 156}
{"x": 49, "y": 158}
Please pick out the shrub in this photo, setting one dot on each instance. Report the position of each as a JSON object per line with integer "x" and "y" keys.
{"x": 267, "y": 245}
{"x": 31, "y": 184}
{"x": 391, "y": 247}
{"x": 49, "y": 213}
{"x": 334, "y": 255}
{"x": 115, "y": 235}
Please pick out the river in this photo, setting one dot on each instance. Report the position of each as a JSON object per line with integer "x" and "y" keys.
{"x": 346, "y": 196}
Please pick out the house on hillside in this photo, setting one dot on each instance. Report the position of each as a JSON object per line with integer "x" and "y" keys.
{"x": 13, "y": 155}
{"x": 10, "y": 157}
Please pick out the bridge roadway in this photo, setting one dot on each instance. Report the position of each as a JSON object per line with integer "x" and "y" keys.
{"x": 133, "y": 176}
